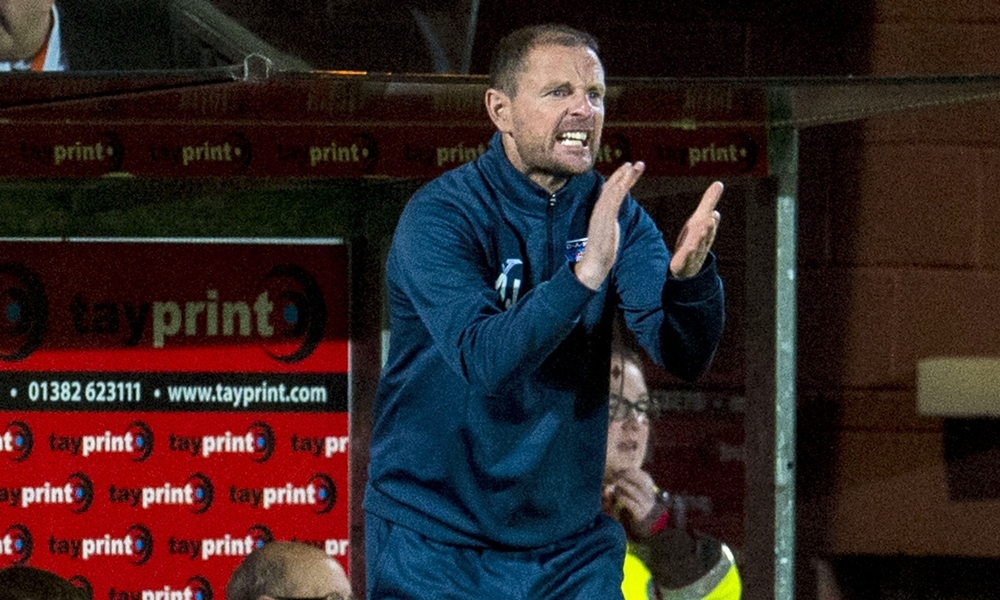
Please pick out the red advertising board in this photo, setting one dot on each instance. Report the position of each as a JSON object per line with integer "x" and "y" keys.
{"x": 322, "y": 126}
{"x": 170, "y": 405}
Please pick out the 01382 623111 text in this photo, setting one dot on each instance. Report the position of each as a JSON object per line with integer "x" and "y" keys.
{"x": 78, "y": 391}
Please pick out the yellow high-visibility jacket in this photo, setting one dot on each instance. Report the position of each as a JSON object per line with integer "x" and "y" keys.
{"x": 722, "y": 582}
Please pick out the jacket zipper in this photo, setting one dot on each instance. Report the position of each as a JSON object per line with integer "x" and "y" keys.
{"x": 549, "y": 210}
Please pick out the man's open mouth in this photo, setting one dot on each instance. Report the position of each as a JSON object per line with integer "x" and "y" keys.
{"x": 573, "y": 138}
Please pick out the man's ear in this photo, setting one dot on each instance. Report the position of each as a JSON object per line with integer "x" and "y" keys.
{"x": 498, "y": 108}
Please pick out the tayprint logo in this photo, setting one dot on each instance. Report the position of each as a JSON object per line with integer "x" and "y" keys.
{"x": 17, "y": 442}
{"x": 136, "y": 442}
{"x": 197, "y": 494}
{"x": 332, "y": 547}
{"x": 327, "y": 446}
{"x": 230, "y": 546}
{"x": 25, "y": 308}
{"x": 459, "y": 153}
{"x": 287, "y": 316}
{"x": 302, "y": 307}
{"x": 106, "y": 151}
{"x": 258, "y": 443}
{"x": 361, "y": 149}
{"x": 319, "y": 494}
{"x": 77, "y": 493}
{"x": 233, "y": 153}
{"x": 16, "y": 545}
{"x": 574, "y": 249}
{"x": 136, "y": 546}
{"x": 196, "y": 588}
{"x": 508, "y": 284}
{"x": 227, "y": 545}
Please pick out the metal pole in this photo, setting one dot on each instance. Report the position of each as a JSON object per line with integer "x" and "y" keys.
{"x": 783, "y": 154}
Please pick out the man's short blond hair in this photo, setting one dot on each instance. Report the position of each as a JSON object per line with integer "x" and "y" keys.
{"x": 512, "y": 51}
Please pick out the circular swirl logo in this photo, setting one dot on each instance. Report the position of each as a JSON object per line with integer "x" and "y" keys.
{"x": 302, "y": 307}
{"x": 326, "y": 492}
{"x": 204, "y": 492}
{"x": 369, "y": 151}
{"x": 83, "y": 492}
{"x": 260, "y": 535}
{"x": 200, "y": 588}
{"x": 263, "y": 441}
{"x": 142, "y": 438}
{"x": 17, "y": 544}
{"x": 25, "y": 308}
{"x": 142, "y": 544}
{"x": 18, "y": 441}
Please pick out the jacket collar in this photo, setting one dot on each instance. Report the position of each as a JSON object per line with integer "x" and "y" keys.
{"x": 520, "y": 192}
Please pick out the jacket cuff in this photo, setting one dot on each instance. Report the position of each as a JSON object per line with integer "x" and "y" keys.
{"x": 702, "y": 286}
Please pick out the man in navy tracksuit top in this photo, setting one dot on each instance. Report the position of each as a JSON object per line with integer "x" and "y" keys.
{"x": 491, "y": 416}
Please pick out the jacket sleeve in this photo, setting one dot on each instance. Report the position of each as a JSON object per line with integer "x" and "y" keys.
{"x": 678, "y": 322}
{"x": 439, "y": 276}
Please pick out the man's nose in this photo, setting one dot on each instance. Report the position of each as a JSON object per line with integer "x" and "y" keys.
{"x": 582, "y": 105}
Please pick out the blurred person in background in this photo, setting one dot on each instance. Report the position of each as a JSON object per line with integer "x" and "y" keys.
{"x": 288, "y": 570}
{"x": 664, "y": 559}
{"x": 21, "y": 582}
{"x": 30, "y": 38}
{"x": 107, "y": 35}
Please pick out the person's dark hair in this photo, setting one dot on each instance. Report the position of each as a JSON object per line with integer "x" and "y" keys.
{"x": 624, "y": 347}
{"x": 510, "y": 53}
{"x": 622, "y": 355}
{"x": 625, "y": 350}
{"x": 21, "y": 582}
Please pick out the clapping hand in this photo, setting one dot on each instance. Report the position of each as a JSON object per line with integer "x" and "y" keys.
{"x": 698, "y": 235}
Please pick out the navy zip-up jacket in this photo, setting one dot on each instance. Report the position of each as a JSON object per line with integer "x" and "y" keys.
{"x": 491, "y": 414}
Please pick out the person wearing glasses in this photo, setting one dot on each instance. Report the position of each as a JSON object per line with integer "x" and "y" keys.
{"x": 490, "y": 416}
{"x": 288, "y": 571}
{"x": 664, "y": 559}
